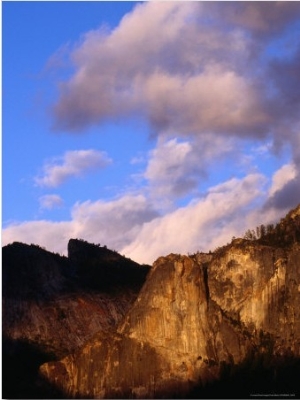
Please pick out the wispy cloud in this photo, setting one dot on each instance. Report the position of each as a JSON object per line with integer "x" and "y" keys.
{"x": 50, "y": 201}
{"x": 72, "y": 163}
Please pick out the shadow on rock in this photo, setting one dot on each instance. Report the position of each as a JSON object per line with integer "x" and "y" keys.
{"x": 20, "y": 378}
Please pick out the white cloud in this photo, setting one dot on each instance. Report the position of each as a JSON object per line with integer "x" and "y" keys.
{"x": 201, "y": 70}
{"x": 202, "y": 225}
{"x": 209, "y": 72}
{"x": 115, "y": 224}
{"x": 186, "y": 74}
{"x": 52, "y": 235}
{"x": 285, "y": 174}
{"x": 132, "y": 226}
{"x": 50, "y": 201}
{"x": 73, "y": 163}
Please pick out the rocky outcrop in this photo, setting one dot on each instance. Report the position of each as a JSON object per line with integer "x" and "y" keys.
{"x": 173, "y": 336}
{"x": 194, "y": 317}
{"x": 259, "y": 286}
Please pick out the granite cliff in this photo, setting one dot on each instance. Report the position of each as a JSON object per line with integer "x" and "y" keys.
{"x": 228, "y": 320}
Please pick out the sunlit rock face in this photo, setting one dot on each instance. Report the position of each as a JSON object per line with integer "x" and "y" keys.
{"x": 194, "y": 315}
{"x": 173, "y": 337}
{"x": 259, "y": 286}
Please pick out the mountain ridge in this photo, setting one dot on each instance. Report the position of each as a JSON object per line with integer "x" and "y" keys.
{"x": 195, "y": 322}
{"x": 47, "y": 304}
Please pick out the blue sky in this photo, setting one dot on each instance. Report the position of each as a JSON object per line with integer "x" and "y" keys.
{"x": 150, "y": 127}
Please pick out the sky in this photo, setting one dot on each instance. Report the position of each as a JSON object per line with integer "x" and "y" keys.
{"x": 150, "y": 127}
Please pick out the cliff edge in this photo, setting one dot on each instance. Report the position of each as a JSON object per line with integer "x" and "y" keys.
{"x": 199, "y": 319}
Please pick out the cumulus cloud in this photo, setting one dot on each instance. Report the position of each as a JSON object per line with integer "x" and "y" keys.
{"x": 49, "y": 201}
{"x": 260, "y": 18}
{"x": 203, "y": 224}
{"x": 72, "y": 163}
{"x": 201, "y": 72}
{"x": 132, "y": 226}
{"x": 215, "y": 69}
{"x": 114, "y": 223}
{"x": 211, "y": 71}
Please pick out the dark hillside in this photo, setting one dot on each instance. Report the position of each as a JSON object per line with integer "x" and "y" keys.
{"x": 100, "y": 268}
{"x": 52, "y": 305}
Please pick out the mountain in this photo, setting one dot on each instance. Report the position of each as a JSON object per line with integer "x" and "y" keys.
{"x": 52, "y": 305}
{"x": 191, "y": 326}
{"x": 202, "y": 322}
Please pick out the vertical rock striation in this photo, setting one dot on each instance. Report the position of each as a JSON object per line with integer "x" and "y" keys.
{"x": 173, "y": 337}
{"x": 194, "y": 316}
{"x": 259, "y": 287}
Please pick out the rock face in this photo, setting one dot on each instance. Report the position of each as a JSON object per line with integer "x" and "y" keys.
{"x": 52, "y": 305}
{"x": 173, "y": 334}
{"x": 194, "y": 317}
{"x": 259, "y": 286}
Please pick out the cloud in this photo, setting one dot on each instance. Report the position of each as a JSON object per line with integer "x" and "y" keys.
{"x": 170, "y": 168}
{"x": 115, "y": 224}
{"x": 285, "y": 174}
{"x": 216, "y": 100}
{"x": 206, "y": 70}
{"x": 176, "y": 168}
{"x": 227, "y": 210}
{"x": 132, "y": 225}
{"x": 73, "y": 163}
{"x": 50, "y": 201}
{"x": 261, "y": 18}
{"x": 285, "y": 191}
{"x": 202, "y": 225}
{"x": 54, "y": 236}
{"x": 211, "y": 80}
{"x": 214, "y": 72}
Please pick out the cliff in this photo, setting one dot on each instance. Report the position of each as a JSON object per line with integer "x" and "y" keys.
{"x": 52, "y": 305}
{"x": 230, "y": 317}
